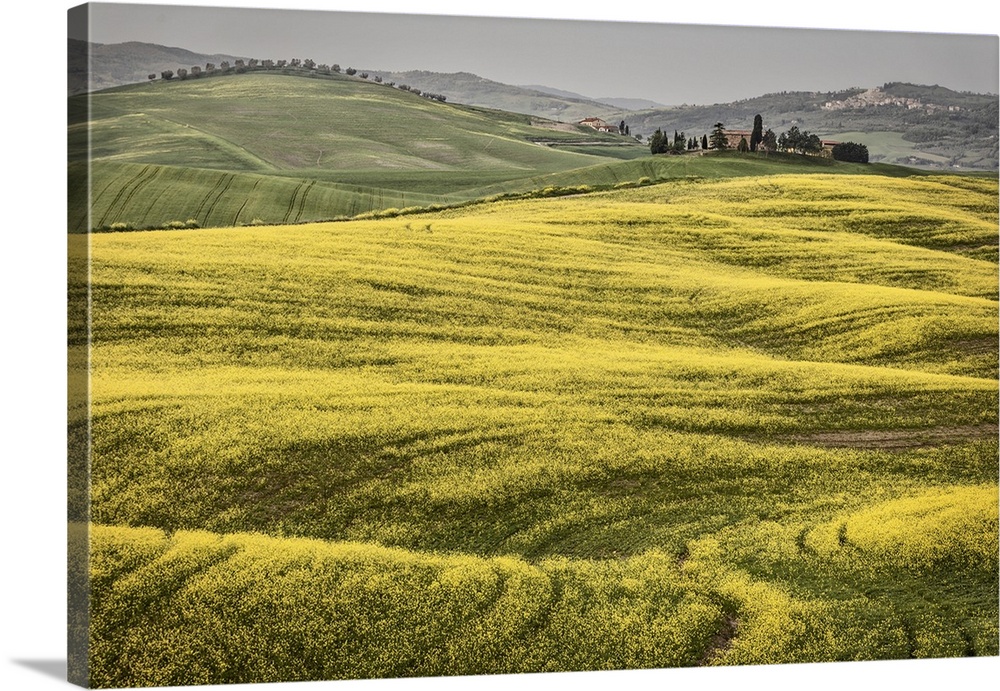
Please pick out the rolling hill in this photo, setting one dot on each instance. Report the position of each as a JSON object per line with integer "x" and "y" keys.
{"x": 348, "y": 144}
{"x": 908, "y": 124}
{"x": 120, "y": 64}
{"x": 228, "y": 150}
{"x": 538, "y": 400}
{"x": 742, "y": 420}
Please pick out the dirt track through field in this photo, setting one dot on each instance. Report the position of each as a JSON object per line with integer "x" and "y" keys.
{"x": 721, "y": 641}
{"x": 898, "y": 439}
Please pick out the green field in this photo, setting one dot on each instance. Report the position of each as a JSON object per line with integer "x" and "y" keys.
{"x": 363, "y": 146}
{"x": 890, "y": 146}
{"x": 272, "y": 148}
{"x": 736, "y": 417}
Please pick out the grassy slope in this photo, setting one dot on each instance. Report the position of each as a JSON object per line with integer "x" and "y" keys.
{"x": 140, "y": 195}
{"x": 202, "y": 149}
{"x": 607, "y": 430}
{"x": 330, "y": 130}
{"x": 148, "y": 195}
{"x": 890, "y": 146}
{"x": 289, "y": 122}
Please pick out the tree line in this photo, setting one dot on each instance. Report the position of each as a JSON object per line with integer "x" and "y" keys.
{"x": 242, "y": 66}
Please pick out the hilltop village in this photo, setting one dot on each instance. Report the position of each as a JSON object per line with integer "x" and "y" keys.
{"x": 876, "y": 98}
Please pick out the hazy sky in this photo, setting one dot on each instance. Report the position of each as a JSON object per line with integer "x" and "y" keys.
{"x": 668, "y": 63}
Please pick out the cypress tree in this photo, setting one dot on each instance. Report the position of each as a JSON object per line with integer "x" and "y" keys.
{"x": 758, "y": 132}
{"x": 658, "y": 142}
{"x": 719, "y": 140}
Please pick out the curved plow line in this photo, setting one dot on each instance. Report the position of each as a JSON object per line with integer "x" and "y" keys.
{"x": 152, "y": 205}
{"x": 211, "y": 193}
{"x": 611, "y": 171}
{"x": 176, "y": 580}
{"x": 722, "y": 640}
{"x": 121, "y": 191}
{"x": 111, "y": 181}
{"x": 354, "y": 206}
{"x": 218, "y": 197}
{"x": 246, "y": 201}
{"x": 291, "y": 202}
{"x": 90, "y": 202}
{"x": 302, "y": 200}
{"x": 131, "y": 187}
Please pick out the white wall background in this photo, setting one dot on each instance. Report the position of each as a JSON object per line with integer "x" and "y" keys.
{"x": 32, "y": 334}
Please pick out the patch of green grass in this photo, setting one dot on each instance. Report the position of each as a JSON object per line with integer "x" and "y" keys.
{"x": 150, "y": 196}
{"x": 356, "y": 146}
{"x": 259, "y": 121}
{"x": 625, "y": 153}
{"x": 890, "y": 147}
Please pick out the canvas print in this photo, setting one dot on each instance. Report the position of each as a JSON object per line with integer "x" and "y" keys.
{"x": 553, "y": 346}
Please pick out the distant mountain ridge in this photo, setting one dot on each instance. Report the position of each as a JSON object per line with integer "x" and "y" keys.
{"x": 117, "y": 64}
{"x": 473, "y": 90}
{"x": 900, "y": 123}
{"x": 616, "y": 101}
{"x": 904, "y": 123}
{"x": 631, "y": 103}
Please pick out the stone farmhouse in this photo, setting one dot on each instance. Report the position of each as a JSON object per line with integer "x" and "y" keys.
{"x": 599, "y": 125}
{"x": 828, "y": 145}
{"x": 733, "y": 138}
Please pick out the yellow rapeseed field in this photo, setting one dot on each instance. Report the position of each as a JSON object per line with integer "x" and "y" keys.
{"x": 699, "y": 422}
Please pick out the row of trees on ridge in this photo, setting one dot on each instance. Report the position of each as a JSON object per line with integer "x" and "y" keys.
{"x": 308, "y": 65}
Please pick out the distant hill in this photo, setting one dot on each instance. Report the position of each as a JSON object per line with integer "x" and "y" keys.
{"x": 930, "y": 126}
{"x": 473, "y": 90}
{"x": 901, "y": 123}
{"x": 910, "y": 124}
{"x": 617, "y": 102}
{"x": 117, "y": 64}
{"x": 348, "y": 146}
{"x": 631, "y": 103}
